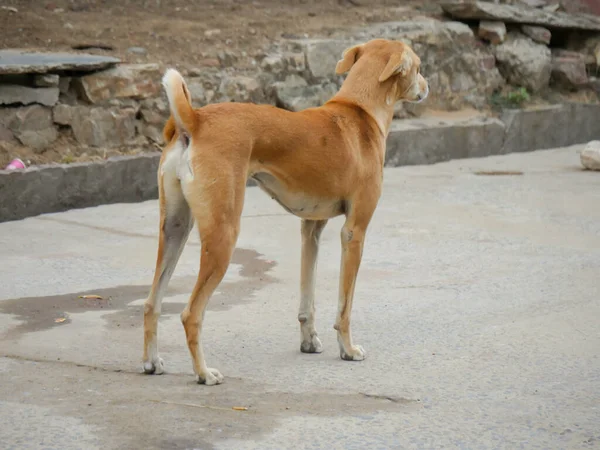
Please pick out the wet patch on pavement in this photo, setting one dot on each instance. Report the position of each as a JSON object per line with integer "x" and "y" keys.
{"x": 42, "y": 313}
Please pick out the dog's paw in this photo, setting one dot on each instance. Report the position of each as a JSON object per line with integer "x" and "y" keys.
{"x": 357, "y": 353}
{"x": 312, "y": 346}
{"x": 156, "y": 366}
{"x": 210, "y": 378}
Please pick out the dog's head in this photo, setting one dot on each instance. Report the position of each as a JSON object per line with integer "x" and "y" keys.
{"x": 398, "y": 68}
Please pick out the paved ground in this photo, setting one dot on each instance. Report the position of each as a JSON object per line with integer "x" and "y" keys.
{"x": 478, "y": 303}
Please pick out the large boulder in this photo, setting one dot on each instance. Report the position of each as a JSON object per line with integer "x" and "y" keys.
{"x": 322, "y": 56}
{"x": 98, "y": 127}
{"x": 568, "y": 70}
{"x": 137, "y": 81}
{"x": 241, "y": 89}
{"x": 538, "y": 34}
{"x": 524, "y": 62}
{"x": 295, "y": 95}
{"x": 33, "y": 127}
{"x": 494, "y": 32}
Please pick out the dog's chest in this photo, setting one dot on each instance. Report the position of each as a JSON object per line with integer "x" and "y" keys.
{"x": 299, "y": 204}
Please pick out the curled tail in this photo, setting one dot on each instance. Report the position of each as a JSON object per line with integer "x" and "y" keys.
{"x": 180, "y": 102}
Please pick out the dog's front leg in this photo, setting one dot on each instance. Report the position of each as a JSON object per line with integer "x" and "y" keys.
{"x": 352, "y": 238}
{"x": 311, "y": 234}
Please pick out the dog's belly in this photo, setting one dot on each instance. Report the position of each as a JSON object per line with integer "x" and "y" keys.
{"x": 299, "y": 204}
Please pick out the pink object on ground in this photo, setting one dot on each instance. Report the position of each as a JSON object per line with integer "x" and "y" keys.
{"x": 15, "y": 164}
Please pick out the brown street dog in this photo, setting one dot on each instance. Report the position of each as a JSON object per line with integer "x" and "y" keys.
{"x": 318, "y": 163}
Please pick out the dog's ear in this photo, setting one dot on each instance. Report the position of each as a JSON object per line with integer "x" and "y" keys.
{"x": 349, "y": 57}
{"x": 398, "y": 63}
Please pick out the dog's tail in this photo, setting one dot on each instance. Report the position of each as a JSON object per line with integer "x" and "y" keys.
{"x": 180, "y": 102}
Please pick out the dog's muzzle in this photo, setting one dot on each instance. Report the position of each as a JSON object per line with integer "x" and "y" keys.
{"x": 422, "y": 95}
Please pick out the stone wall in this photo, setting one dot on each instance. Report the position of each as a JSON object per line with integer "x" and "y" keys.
{"x": 97, "y": 104}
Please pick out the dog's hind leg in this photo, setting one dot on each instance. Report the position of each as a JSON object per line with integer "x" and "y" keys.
{"x": 175, "y": 225}
{"x": 311, "y": 234}
{"x": 217, "y": 207}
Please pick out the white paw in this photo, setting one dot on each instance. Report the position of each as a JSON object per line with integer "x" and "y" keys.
{"x": 357, "y": 353}
{"x": 312, "y": 346}
{"x": 210, "y": 378}
{"x": 156, "y": 366}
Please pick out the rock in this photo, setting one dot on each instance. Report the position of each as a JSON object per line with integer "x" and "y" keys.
{"x": 137, "y": 50}
{"x": 197, "y": 92}
{"x": 590, "y": 47}
{"x": 538, "y": 34}
{"x": 590, "y": 156}
{"x": 323, "y": 55}
{"x": 241, "y": 89}
{"x": 211, "y": 33}
{"x": 524, "y": 63}
{"x": 479, "y": 10}
{"x": 206, "y": 62}
{"x": 62, "y": 114}
{"x": 159, "y": 104}
{"x": 284, "y": 63}
{"x": 155, "y": 112}
{"x": 33, "y": 127}
{"x": 534, "y": 3}
{"x": 14, "y": 62}
{"x": 568, "y": 70}
{"x": 16, "y": 94}
{"x": 494, "y": 32}
{"x": 46, "y": 80}
{"x": 125, "y": 81}
{"x": 295, "y": 95}
{"x": 98, "y": 127}
{"x": 152, "y": 132}
{"x": 7, "y": 115}
{"x": 421, "y": 29}
{"x": 595, "y": 84}
{"x": 227, "y": 58}
{"x": 581, "y": 6}
{"x": 63, "y": 84}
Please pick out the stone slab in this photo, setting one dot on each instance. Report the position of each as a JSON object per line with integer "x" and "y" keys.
{"x": 431, "y": 140}
{"x": 550, "y": 126}
{"x": 13, "y": 94}
{"x": 17, "y": 62}
{"x": 45, "y": 189}
{"x": 520, "y": 14}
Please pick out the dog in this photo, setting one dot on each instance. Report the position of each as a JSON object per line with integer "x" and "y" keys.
{"x": 317, "y": 163}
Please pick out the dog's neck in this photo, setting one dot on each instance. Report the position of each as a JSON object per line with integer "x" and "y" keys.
{"x": 369, "y": 98}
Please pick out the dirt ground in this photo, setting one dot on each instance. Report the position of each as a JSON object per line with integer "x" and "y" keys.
{"x": 183, "y": 33}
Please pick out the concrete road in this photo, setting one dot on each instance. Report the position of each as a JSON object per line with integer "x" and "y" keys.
{"x": 478, "y": 303}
